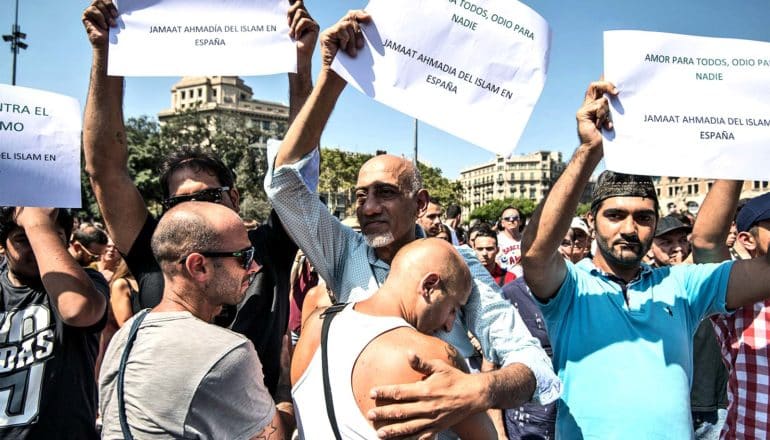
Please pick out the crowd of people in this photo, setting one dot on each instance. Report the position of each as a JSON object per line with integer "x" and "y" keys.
{"x": 401, "y": 322}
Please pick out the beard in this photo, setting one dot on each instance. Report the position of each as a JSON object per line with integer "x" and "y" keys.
{"x": 629, "y": 258}
{"x": 381, "y": 239}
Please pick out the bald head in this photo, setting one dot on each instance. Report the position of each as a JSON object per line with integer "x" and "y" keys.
{"x": 193, "y": 227}
{"x": 407, "y": 175}
{"x": 423, "y": 256}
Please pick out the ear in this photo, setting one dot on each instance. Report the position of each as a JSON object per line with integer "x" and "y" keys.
{"x": 235, "y": 196}
{"x": 747, "y": 240}
{"x": 428, "y": 283}
{"x": 196, "y": 267}
{"x": 422, "y": 197}
{"x": 590, "y": 219}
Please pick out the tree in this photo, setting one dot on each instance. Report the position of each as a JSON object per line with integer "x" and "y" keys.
{"x": 583, "y": 209}
{"x": 233, "y": 137}
{"x": 439, "y": 187}
{"x": 492, "y": 211}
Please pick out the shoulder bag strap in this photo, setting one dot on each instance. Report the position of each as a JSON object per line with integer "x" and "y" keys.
{"x": 122, "y": 373}
{"x": 327, "y": 316}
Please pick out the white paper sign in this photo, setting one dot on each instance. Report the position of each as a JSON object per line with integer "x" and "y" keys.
{"x": 688, "y": 106}
{"x": 473, "y": 69}
{"x": 39, "y": 148}
{"x": 201, "y": 37}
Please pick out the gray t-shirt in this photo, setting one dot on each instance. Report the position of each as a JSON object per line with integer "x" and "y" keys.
{"x": 185, "y": 378}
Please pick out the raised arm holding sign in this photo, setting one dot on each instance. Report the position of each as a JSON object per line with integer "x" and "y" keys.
{"x": 190, "y": 174}
{"x": 641, "y": 342}
{"x": 389, "y": 198}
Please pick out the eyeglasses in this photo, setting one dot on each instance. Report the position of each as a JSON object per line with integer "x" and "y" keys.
{"x": 212, "y": 195}
{"x": 246, "y": 256}
{"x": 513, "y": 218}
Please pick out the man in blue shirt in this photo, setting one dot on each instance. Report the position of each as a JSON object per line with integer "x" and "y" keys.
{"x": 621, "y": 331}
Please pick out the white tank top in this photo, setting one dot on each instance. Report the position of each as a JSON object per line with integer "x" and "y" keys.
{"x": 349, "y": 334}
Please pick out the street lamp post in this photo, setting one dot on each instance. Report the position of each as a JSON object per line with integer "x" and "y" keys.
{"x": 15, "y": 38}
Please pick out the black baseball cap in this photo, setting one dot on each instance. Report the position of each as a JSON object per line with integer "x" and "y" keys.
{"x": 670, "y": 223}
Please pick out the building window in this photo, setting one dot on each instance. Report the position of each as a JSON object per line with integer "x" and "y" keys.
{"x": 200, "y": 93}
{"x": 670, "y": 191}
{"x": 182, "y": 94}
{"x": 756, "y": 184}
{"x": 710, "y": 184}
{"x": 214, "y": 93}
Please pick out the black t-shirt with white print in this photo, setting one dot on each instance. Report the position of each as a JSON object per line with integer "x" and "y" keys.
{"x": 47, "y": 384}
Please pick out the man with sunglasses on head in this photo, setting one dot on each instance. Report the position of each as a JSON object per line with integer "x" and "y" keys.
{"x": 189, "y": 174}
{"x": 207, "y": 261}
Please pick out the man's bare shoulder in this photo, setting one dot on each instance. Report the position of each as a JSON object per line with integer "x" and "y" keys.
{"x": 385, "y": 361}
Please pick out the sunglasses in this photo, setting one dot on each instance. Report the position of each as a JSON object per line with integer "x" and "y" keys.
{"x": 246, "y": 256}
{"x": 93, "y": 256}
{"x": 512, "y": 218}
{"x": 212, "y": 195}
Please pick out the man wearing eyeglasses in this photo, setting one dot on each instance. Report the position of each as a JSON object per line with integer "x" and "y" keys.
{"x": 509, "y": 241}
{"x": 389, "y": 200}
{"x": 207, "y": 261}
{"x": 188, "y": 174}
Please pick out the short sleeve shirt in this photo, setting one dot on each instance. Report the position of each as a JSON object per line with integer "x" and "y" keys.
{"x": 626, "y": 365}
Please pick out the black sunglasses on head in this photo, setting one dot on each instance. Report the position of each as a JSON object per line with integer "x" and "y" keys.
{"x": 213, "y": 195}
{"x": 246, "y": 256}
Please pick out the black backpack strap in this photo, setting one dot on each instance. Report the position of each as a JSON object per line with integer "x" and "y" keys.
{"x": 122, "y": 373}
{"x": 327, "y": 316}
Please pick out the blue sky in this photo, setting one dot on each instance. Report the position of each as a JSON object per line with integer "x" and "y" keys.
{"x": 59, "y": 57}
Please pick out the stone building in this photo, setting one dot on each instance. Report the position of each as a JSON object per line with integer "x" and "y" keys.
{"x": 525, "y": 176}
{"x": 687, "y": 193}
{"x": 222, "y": 94}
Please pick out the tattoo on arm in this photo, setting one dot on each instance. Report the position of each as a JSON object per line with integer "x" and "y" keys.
{"x": 270, "y": 432}
{"x": 456, "y": 360}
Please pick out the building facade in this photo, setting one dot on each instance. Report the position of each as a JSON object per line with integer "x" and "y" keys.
{"x": 527, "y": 176}
{"x": 687, "y": 193}
{"x": 222, "y": 94}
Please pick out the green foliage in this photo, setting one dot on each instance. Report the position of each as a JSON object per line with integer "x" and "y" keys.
{"x": 583, "y": 209}
{"x": 235, "y": 138}
{"x": 444, "y": 190}
{"x": 339, "y": 169}
{"x": 492, "y": 211}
